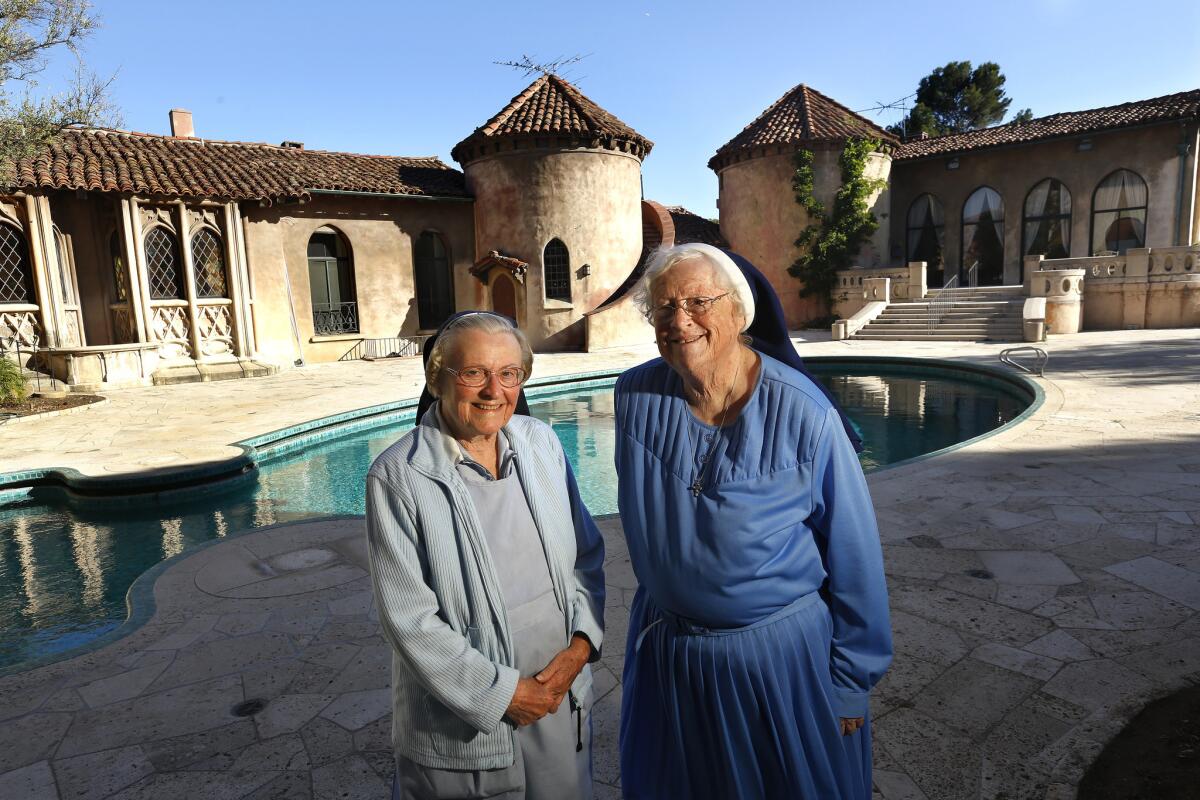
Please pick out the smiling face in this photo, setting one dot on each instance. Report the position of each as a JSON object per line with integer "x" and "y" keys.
{"x": 695, "y": 345}
{"x": 473, "y": 412}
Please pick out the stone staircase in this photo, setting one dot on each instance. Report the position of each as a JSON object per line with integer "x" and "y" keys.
{"x": 986, "y": 313}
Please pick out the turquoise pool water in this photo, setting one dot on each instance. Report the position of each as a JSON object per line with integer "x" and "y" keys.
{"x": 66, "y": 563}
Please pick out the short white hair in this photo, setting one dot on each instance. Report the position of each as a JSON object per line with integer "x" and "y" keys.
{"x": 725, "y": 274}
{"x": 484, "y": 321}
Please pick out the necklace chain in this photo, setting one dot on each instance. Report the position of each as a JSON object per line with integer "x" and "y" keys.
{"x": 706, "y": 459}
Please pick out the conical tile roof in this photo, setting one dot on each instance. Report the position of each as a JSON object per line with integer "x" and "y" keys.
{"x": 551, "y": 107}
{"x": 801, "y": 116}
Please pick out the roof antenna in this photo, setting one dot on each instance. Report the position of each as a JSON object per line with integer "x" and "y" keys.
{"x": 900, "y": 105}
{"x": 529, "y": 65}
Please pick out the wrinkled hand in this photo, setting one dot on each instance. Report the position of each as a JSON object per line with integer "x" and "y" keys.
{"x": 562, "y": 670}
{"x": 531, "y": 701}
{"x": 851, "y": 724}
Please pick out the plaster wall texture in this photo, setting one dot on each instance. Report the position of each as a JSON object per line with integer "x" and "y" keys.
{"x": 761, "y": 219}
{"x": 379, "y": 233}
{"x": 588, "y": 199}
{"x": 1151, "y": 152}
{"x": 619, "y": 325}
{"x": 1118, "y": 306}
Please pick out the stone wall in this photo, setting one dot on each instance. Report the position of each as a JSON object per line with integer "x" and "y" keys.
{"x": 588, "y": 199}
{"x": 1081, "y": 163}
{"x": 380, "y": 233}
{"x": 761, "y": 219}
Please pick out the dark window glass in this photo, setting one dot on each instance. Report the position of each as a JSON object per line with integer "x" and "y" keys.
{"x": 983, "y": 236}
{"x": 435, "y": 288}
{"x": 1046, "y": 226}
{"x": 162, "y": 265}
{"x": 331, "y": 282}
{"x": 120, "y": 280}
{"x": 16, "y": 278}
{"x": 556, "y": 271}
{"x": 208, "y": 260}
{"x": 926, "y": 236}
{"x": 1119, "y": 213}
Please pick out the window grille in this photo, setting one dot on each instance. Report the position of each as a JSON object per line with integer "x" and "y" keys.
{"x": 16, "y": 279}
{"x": 208, "y": 260}
{"x": 162, "y": 265}
{"x": 556, "y": 271}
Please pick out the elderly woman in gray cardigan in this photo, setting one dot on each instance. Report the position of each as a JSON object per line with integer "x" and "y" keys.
{"x": 488, "y": 579}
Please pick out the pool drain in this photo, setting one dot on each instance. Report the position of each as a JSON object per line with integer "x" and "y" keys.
{"x": 248, "y": 708}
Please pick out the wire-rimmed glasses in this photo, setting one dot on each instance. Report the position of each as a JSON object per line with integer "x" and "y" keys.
{"x": 694, "y": 307}
{"x": 474, "y": 377}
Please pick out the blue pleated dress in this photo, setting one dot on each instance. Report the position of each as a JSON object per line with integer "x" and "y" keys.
{"x": 761, "y": 615}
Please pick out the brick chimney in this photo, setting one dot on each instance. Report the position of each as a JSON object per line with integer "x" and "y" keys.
{"x": 181, "y": 124}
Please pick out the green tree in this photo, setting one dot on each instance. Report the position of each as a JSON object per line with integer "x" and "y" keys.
{"x": 957, "y": 98}
{"x": 30, "y": 32}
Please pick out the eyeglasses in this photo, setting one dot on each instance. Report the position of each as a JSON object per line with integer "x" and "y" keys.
{"x": 509, "y": 377}
{"x": 694, "y": 307}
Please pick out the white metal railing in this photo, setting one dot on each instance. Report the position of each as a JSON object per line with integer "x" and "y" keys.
{"x": 973, "y": 279}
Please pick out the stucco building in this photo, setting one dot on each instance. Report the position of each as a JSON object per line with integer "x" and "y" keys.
{"x": 1077, "y": 185}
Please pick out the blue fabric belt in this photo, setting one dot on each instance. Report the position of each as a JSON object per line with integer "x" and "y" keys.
{"x": 682, "y": 626}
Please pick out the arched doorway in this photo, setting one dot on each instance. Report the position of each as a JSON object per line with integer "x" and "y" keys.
{"x": 504, "y": 297}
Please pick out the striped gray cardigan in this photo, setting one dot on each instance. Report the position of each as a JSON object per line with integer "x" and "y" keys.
{"x": 439, "y": 600}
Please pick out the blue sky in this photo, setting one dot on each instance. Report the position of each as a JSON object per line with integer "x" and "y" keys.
{"x": 405, "y": 78}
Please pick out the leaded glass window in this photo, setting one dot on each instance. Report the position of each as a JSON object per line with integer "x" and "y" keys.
{"x": 16, "y": 278}
{"x": 208, "y": 260}
{"x": 120, "y": 278}
{"x": 1119, "y": 213}
{"x": 435, "y": 291}
{"x": 983, "y": 236}
{"x": 556, "y": 271}
{"x": 926, "y": 236}
{"x": 1046, "y": 227}
{"x": 162, "y": 265}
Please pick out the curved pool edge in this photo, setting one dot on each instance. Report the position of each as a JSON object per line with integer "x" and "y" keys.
{"x": 1035, "y": 395}
{"x": 140, "y": 604}
{"x": 190, "y": 477}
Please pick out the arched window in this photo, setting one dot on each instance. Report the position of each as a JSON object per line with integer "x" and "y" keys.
{"x": 435, "y": 290}
{"x": 1119, "y": 213}
{"x": 331, "y": 281}
{"x": 162, "y": 265}
{"x": 208, "y": 261}
{"x": 556, "y": 271}
{"x": 983, "y": 236}
{"x": 1046, "y": 224}
{"x": 16, "y": 278}
{"x": 925, "y": 236}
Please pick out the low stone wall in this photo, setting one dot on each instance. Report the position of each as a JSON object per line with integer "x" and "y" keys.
{"x": 1145, "y": 288}
{"x": 849, "y": 296}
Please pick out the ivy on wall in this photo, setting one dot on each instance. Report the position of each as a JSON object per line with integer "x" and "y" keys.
{"x": 832, "y": 239}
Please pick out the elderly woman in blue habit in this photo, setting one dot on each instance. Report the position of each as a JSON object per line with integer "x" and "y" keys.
{"x": 760, "y": 622}
{"x": 488, "y": 578}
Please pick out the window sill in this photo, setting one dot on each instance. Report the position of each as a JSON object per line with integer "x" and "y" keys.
{"x": 557, "y": 305}
{"x": 340, "y": 337}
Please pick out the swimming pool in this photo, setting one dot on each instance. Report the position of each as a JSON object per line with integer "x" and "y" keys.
{"x": 66, "y": 562}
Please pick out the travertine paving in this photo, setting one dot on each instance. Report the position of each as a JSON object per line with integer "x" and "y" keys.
{"x": 1045, "y": 584}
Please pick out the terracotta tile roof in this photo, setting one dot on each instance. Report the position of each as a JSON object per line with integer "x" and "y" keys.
{"x": 1169, "y": 108}
{"x": 145, "y": 164}
{"x": 691, "y": 227}
{"x": 801, "y": 116}
{"x": 552, "y": 107}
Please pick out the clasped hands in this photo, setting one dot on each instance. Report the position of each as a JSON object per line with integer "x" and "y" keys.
{"x": 543, "y": 693}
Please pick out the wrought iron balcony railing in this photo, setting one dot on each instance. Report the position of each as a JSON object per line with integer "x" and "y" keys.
{"x": 331, "y": 319}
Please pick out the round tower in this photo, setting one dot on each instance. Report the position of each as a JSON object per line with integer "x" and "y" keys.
{"x": 760, "y": 217}
{"x": 558, "y": 220}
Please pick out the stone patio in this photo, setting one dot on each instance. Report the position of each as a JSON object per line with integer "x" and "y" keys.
{"x": 1044, "y": 582}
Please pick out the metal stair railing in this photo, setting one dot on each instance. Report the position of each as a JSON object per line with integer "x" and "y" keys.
{"x": 1040, "y": 359}
{"x": 973, "y": 280}
{"x": 940, "y": 304}
{"x": 385, "y": 347}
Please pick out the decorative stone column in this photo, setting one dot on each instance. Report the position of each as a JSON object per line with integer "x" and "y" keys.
{"x": 189, "y": 279}
{"x": 1063, "y": 291}
{"x": 138, "y": 305}
{"x": 918, "y": 281}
